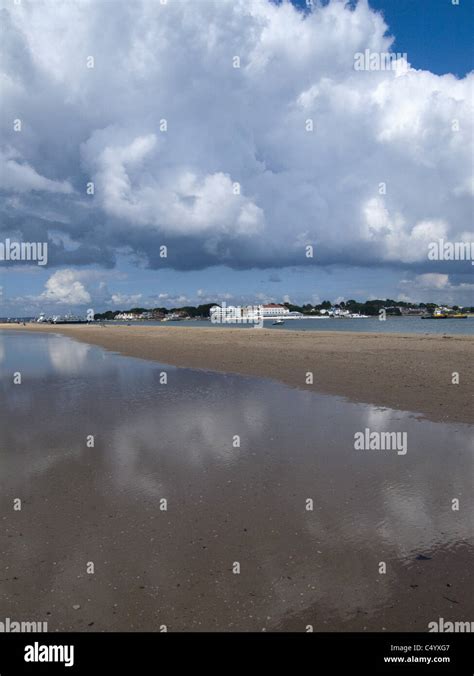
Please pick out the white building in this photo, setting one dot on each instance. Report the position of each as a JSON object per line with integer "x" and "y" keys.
{"x": 274, "y": 310}
{"x": 339, "y": 312}
{"x": 235, "y": 314}
{"x": 248, "y": 314}
{"x": 126, "y": 316}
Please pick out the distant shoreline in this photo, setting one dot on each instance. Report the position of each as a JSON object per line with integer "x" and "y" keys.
{"x": 408, "y": 325}
{"x": 400, "y": 371}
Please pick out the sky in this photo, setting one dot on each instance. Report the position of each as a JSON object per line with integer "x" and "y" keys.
{"x": 191, "y": 151}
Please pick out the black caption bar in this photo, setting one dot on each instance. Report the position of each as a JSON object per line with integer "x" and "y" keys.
{"x": 90, "y": 653}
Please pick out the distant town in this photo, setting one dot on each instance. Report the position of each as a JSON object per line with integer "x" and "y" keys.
{"x": 351, "y": 307}
{"x": 344, "y": 309}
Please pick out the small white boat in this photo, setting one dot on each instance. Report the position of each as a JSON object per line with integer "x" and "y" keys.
{"x": 278, "y": 322}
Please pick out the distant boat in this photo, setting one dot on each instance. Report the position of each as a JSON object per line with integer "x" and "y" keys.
{"x": 278, "y": 322}
{"x": 445, "y": 315}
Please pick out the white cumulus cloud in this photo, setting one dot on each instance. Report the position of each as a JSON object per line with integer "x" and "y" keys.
{"x": 65, "y": 287}
{"x": 238, "y": 165}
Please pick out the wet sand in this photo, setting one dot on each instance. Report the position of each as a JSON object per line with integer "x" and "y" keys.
{"x": 225, "y": 504}
{"x": 404, "y": 372}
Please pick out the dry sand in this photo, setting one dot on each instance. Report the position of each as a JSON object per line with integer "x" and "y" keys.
{"x": 407, "y": 372}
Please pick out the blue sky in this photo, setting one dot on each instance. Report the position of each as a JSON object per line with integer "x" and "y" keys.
{"x": 436, "y": 34}
{"x": 381, "y": 175}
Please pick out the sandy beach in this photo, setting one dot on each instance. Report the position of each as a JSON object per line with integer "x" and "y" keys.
{"x": 102, "y": 504}
{"x": 405, "y": 372}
